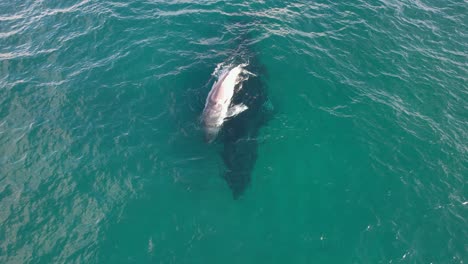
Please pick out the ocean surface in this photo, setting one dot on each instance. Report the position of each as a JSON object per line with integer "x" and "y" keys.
{"x": 364, "y": 158}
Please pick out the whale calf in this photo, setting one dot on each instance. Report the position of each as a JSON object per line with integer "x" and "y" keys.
{"x": 218, "y": 103}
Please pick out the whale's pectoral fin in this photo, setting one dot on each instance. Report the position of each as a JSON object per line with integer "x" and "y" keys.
{"x": 236, "y": 109}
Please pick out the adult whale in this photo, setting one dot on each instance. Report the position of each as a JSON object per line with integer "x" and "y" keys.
{"x": 240, "y": 134}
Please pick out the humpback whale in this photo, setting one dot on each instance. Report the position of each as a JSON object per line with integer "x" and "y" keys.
{"x": 218, "y": 103}
{"x": 240, "y": 137}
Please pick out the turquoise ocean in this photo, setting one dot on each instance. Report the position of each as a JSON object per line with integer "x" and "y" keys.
{"x": 363, "y": 158}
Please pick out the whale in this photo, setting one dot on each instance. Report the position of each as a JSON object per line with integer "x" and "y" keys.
{"x": 218, "y": 105}
{"x": 240, "y": 139}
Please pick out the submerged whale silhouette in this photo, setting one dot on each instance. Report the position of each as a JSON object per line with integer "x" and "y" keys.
{"x": 240, "y": 136}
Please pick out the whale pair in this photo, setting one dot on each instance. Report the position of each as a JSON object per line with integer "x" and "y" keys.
{"x": 238, "y": 106}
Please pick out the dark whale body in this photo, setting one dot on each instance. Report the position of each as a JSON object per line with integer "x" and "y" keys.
{"x": 240, "y": 134}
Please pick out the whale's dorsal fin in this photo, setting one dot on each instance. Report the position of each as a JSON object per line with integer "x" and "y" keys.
{"x": 236, "y": 109}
